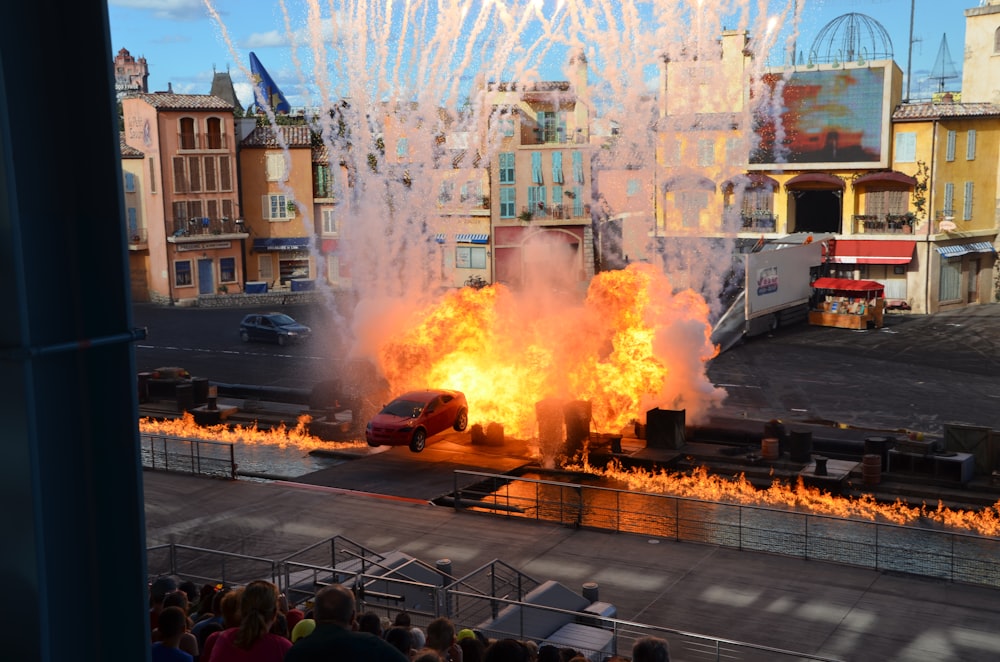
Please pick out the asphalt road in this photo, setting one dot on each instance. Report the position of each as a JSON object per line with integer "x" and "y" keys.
{"x": 918, "y": 372}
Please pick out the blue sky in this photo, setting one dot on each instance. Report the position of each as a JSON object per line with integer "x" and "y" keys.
{"x": 184, "y": 44}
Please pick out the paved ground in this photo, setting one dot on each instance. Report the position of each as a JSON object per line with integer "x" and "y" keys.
{"x": 918, "y": 373}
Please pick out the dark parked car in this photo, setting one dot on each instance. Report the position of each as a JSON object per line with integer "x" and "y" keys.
{"x": 412, "y": 417}
{"x": 273, "y": 327}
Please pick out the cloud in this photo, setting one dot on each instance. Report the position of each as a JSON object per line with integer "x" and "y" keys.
{"x": 171, "y": 10}
{"x": 266, "y": 39}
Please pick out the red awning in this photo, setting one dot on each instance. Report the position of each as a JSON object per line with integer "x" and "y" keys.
{"x": 847, "y": 285}
{"x": 688, "y": 181}
{"x": 890, "y": 177}
{"x": 872, "y": 251}
{"x": 328, "y": 246}
{"x": 815, "y": 181}
{"x": 752, "y": 180}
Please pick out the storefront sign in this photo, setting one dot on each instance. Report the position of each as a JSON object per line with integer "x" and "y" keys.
{"x": 203, "y": 246}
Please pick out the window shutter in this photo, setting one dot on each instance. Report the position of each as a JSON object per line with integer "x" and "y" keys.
{"x": 970, "y": 145}
{"x": 180, "y": 185}
{"x": 967, "y": 203}
{"x": 950, "y": 148}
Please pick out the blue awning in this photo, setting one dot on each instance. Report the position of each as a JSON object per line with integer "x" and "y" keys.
{"x": 282, "y": 244}
{"x": 964, "y": 249}
{"x": 472, "y": 238}
{"x": 440, "y": 237}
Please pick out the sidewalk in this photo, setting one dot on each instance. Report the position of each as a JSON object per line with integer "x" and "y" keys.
{"x": 822, "y": 609}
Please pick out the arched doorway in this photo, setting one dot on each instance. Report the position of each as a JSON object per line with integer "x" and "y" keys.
{"x": 815, "y": 202}
{"x": 551, "y": 261}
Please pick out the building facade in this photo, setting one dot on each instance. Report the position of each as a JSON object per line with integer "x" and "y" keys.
{"x": 131, "y": 74}
{"x": 194, "y": 230}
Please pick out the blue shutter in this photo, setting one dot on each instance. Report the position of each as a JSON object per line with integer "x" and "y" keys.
{"x": 507, "y": 203}
{"x": 557, "y": 173}
{"x": 967, "y": 203}
{"x": 970, "y": 145}
{"x": 577, "y": 201}
{"x": 536, "y": 167}
{"x": 950, "y": 148}
{"x": 578, "y": 167}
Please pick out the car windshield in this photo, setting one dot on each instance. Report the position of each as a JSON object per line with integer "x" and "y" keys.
{"x": 282, "y": 319}
{"x": 404, "y": 408}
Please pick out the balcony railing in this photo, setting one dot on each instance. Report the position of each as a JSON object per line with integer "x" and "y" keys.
{"x": 206, "y": 226}
{"x": 190, "y": 141}
{"x": 543, "y": 212}
{"x": 137, "y": 235}
{"x": 759, "y": 220}
{"x": 883, "y": 223}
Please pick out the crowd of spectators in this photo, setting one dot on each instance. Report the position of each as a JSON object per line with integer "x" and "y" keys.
{"x": 255, "y": 623}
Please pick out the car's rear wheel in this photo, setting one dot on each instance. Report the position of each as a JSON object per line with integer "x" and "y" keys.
{"x": 462, "y": 420}
{"x": 244, "y": 336}
{"x": 282, "y": 340}
{"x": 419, "y": 440}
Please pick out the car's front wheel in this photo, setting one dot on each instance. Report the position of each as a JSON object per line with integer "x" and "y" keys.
{"x": 244, "y": 336}
{"x": 419, "y": 440}
{"x": 282, "y": 340}
{"x": 462, "y": 420}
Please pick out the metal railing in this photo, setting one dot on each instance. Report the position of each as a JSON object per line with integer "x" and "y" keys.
{"x": 883, "y": 223}
{"x": 200, "y": 457}
{"x": 479, "y": 600}
{"x": 957, "y": 557}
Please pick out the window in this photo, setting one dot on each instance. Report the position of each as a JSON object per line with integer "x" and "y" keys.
{"x": 578, "y": 167}
{"x": 276, "y": 167}
{"x": 632, "y": 187}
{"x": 209, "y": 172}
{"x": 906, "y": 147}
{"x": 735, "y": 152}
{"x": 472, "y": 191}
{"x": 213, "y": 209}
{"x": 536, "y": 199}
{"x": 557, "y": 170}
{"x": 182, "y": 273}
{"x": 577, "y": 201}
{"x": 333, "y": 269}
{"x": 507, "y": 203}
{"x": 324, "y": 182}
{"x": 446, "y": 191}
{"x": 180, "y": 177}
{"x": 950, "y": 148}
{"x": 970, "y": 145}
{"x": 506, "y": 167}
{"x": 706, "y": 152}
{"x": 470, "y": 257}
{"x": 536, "y": 168}
{"x": 225, "y": 176}
{"x": 227, "y": 270}
{"x": 213, "y": 129}
{"x": 133, "y": 223}
{"x": 507, "y": 127}
{"x": 551, "y": 126}
{"x": 187, "y": 135}
{"x": 996, "y": 41}
{"x": 181, "y": 212}
{"x": 194, "y": 174}
{"x": 276, "y": 208}
{"x": 950, "y": 280}
{"x": 227, "y": 208}
{"x": 886, "y": 202}
{"x": 329, "y": 221}
{"x": 403, "y": 148}
{"x": 967, "y": 202}
{"x": 152, "y": 175}
{"x": 129, "y": 182}
{"x": 949, "y": 199}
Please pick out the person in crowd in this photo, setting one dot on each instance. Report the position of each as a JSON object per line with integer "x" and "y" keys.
{"x": 303, "y": 628}
{"x": 650, "y": 649}
{"x": 158, "y": 590}
{"x": 191, "y": 591}
{"x": 229, "y": 606}
{"x": 386, "y": 623}
{"x": 548, "y": 653}
{"x": 472, "y": 647}
{"x": 370, "y": 622}
{"x": 335, "y": 638}
{"x": 441, "y": 637}
{"x": 205, "y": 605}
{"x": 188, "y": 642}
{"x": 211, "y": 620}
{"x": 507, "y": 650}
{"x": 252, "y": 641}
{"x": 400, "y": 637}
{"x": 419, "y": 638}
{"x": 403, "y": 619}
{"x": 427, "y": 655}
{"x": 171, "y": 626}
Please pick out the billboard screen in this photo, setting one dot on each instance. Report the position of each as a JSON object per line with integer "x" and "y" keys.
{"x": 825, "y": 118}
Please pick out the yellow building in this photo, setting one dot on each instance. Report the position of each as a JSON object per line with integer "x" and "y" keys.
{"x": 980, "y": 81}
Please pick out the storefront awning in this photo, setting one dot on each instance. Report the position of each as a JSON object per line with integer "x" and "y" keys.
{"x": 328, "y": 246}
{"x": 964, "y": 249}
{"x": 688, "y": 181}
{"x": 871, "y": 251}
{"x": 468, "y": 238}
{"x": 815, "y": 181}
{"x": 282, "y": 244}
{"x": 847, "y": 285}
{"x": 752, "y": 180}
{"x": 889, "y": 177}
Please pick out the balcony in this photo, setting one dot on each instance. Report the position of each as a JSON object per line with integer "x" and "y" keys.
{"x": 758, "y": 220}
{"x": 883, "y": 223}
{"x": 539, "y": 136}
{"x": 138, "y": 239}
{"x": 200, "y": 227}
{"x": 543, "y": 212}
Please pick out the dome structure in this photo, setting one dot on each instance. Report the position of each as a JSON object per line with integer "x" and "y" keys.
{"x": 851, "y": 37}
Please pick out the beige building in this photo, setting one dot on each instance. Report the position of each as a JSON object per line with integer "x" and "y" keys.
{"x": 980, "y": 81}
{"x": 188, "y": 194}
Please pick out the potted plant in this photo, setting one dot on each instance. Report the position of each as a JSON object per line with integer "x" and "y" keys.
{"x": 525, "y": 216}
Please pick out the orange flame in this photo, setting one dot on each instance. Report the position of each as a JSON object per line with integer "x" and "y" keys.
{"x": 699, "y": 484}
{"x": 631, "y": 345}
{"x": 281, "y": 437}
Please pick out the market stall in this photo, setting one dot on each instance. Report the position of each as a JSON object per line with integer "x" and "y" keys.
{"x": 847, "y": 303}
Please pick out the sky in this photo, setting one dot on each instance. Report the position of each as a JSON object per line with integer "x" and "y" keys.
{"x": 186, "y": 41}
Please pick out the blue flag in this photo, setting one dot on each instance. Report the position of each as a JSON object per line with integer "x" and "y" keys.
{"x": 265, "y": 91}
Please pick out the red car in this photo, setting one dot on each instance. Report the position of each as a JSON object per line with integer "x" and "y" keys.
{"x": 412, "y": 417}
